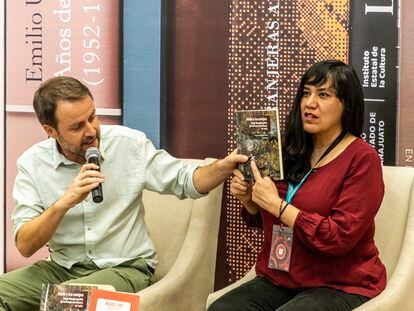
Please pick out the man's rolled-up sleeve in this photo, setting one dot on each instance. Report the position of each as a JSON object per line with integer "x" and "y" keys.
{"x": 28, "y": 204}
{"x": 169, "y": 175}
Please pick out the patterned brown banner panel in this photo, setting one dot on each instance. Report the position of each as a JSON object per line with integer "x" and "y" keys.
{"x": 271, "y": 44}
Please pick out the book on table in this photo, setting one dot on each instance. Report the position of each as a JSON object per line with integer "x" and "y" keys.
{"x": 258, "y": 137}
{"x": 104, "y": 300}
{"x": 68, "y": 297}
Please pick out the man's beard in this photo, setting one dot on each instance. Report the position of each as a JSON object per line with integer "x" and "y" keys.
{"x": 75, "y": 150}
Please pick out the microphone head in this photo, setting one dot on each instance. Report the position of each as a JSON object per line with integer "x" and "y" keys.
{"x": 92, "y": 152}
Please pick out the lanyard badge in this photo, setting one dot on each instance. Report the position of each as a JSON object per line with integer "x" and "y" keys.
{"x": 281, "y": 249}
{"x": 282, "y": 236}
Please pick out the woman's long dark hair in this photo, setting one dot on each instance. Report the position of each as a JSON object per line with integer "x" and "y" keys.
{"x": 298, "y": 144}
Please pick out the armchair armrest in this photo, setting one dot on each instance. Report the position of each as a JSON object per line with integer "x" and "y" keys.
{"x": 214, "y": 296}
{"x": 190, "y": 279}
{"x": 398, "y": 294}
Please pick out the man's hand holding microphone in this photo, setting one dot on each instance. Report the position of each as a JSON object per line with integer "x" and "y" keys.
{"x": 89, "y": 179}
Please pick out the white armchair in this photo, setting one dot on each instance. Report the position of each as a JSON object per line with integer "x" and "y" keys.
{"x": 394, "y": 237}
{"x": 185, "y": 233}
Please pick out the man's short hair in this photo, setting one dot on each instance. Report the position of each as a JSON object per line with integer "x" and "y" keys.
{"x": 51, "y": 91}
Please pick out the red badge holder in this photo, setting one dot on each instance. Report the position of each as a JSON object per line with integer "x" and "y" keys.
{"x": 281, "y": 248}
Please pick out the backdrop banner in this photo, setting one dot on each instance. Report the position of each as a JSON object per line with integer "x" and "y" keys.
{"x": 55, "y": 38}
{"x": 271, "y": 44}
{"x": 46, "y": 39}
{"x": 405, "y": 124}
{"x": 374, "y": 35}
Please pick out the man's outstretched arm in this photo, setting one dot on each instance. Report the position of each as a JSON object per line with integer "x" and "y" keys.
{"x": 207, "y": 177}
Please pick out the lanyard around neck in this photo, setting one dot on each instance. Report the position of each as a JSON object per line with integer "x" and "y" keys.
{"x": 293, "y": 189}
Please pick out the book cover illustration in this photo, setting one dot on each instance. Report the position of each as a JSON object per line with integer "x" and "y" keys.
{"x": 258, "y": 136}
{"x": 57, "y": 297}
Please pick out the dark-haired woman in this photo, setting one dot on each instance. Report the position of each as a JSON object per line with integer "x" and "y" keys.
{"x": 319, "y": 251}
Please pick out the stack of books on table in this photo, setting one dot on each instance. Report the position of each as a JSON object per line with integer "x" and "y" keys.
{"x": 86, "y": 297}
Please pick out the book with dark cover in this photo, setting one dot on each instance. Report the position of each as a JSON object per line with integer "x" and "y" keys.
{"x": 258, "y": 136}
{"x": 56, "y": 297}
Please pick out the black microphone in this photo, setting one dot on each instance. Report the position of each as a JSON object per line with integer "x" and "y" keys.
{"x": 92, "y": 155}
